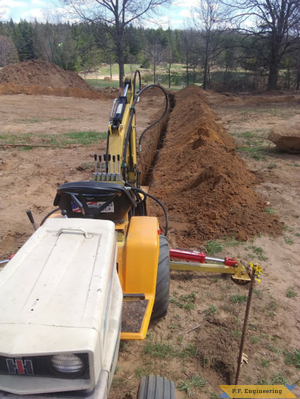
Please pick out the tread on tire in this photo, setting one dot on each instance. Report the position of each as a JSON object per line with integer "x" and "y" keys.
{"x": 156, "y": 387}
{"x": 161, "y": 302}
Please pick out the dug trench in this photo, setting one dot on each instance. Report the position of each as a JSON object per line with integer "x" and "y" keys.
{"x": 209, "y": 194}
{"x": 196, "y": 344}
{"x": 153, "y": 142}
{"x": 204, "y": 184}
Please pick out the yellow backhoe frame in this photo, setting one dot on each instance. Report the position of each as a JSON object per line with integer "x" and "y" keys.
{"x": 238, "y": 273}
{"x": 137, "y": 238}
{"x": 117, "y": 135}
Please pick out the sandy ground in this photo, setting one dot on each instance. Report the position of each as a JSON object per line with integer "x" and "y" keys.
{"x": 29, "y": 179}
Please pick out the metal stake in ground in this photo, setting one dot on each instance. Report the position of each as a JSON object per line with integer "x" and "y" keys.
{"x": 256, "y": 269}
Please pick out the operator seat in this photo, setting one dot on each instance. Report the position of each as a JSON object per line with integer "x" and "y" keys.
{"x": 93, "y": 199}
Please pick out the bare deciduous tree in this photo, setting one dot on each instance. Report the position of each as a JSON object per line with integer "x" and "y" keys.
{"x": 116, "y": 16}
{"x": 8, "y": 51}
{"x": 54, "y": 43}
{"x": 189, "y": 50}
{"x": 156, "y": 43}
{"x": 209, "y": 19}
{"x": 274, "y": 23}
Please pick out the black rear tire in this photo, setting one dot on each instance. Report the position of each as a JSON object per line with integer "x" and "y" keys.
{"x": 156, "y": 387}
{"x": 161, "y": 302}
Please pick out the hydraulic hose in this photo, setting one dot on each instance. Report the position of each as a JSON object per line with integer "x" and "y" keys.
{"x": 138, "y": 190}
{"x": 136, "y": 73}
{"x": 49, "y": 214}
{"x": 127, "y": 136}
{"x": 158, "y": 120}
{"x": 131, "y": 119}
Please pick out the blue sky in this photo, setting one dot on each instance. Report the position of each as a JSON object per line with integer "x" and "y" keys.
{"x": 176, "y": 16}
{"x": 18, "y": 9}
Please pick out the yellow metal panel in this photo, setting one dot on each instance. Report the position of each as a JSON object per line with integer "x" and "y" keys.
{"x": 117, "y": 136}
{"x": 145, "y": 324}
{"x": 141, "y": 255}
{"x": 133, "y": 140}
{"x": 139, "y": 275}
{"x": 116, "y": 141}
{"x": 239, "y": 273}
{"x": 56, "y": 215}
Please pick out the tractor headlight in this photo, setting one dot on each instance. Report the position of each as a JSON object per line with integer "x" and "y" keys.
{"x": 67, "y": 363}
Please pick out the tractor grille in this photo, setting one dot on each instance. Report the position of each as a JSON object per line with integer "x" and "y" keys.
{"x": 40, "y": 366}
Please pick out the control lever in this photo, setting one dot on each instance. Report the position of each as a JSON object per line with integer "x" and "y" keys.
{"x": 30, "y": 217}
{"x": 64, "y": 213}
{"x": 100, "y": 165}
{"x": 95, "y": 173}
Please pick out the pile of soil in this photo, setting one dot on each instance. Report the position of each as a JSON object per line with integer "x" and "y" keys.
{"x": 204, "y": 185}
{"x": 41, "y": 77}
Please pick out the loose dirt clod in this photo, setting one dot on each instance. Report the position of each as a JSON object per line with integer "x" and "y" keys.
{"x": 204, "y": 185}
{"x": 287, "y": 138}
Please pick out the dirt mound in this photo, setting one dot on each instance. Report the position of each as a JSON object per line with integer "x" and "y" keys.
{"x": 41, "y": 77}
{"x": 41, "y": 73}
{"x": 204, "y": 185}
{"x": 10, "y": 88}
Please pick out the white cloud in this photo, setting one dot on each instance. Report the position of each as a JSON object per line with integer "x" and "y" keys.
{"x": 178, "y": 24}
{"x": 62, "y": 14}
{"x": 7, "y": 8}
{"x": 186, "y": 14}
{"x": 3, "y": 14}
{"x": 182, "y": 12}
{"x": 7, "y": 5}
{"x": 38, "y": 2}
{"x": 184, "y": 3}
{"x": 12, "y": 3}
{"x": 34, "y": 13}
{"x": 51, "y": 10}
{"x": 164, "y": 21}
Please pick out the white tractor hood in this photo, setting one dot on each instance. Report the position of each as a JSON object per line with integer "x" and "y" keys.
{"x": 58, "y": 281}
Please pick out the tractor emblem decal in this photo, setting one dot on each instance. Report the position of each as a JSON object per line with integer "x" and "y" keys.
{"x": 19, "y": 366}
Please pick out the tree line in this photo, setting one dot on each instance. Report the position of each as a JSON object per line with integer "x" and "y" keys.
{"x": 219, "y": 49}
